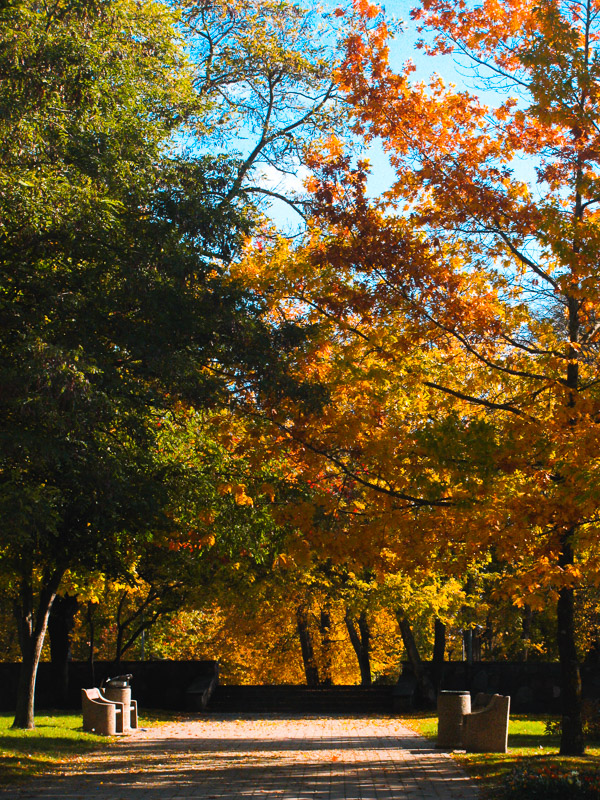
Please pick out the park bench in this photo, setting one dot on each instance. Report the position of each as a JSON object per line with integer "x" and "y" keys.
{"x": 485, "y": 730}
{"x": 106, "y": 716}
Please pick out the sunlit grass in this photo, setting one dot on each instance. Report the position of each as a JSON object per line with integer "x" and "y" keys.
{"x": 527, "y": 744}
{"x": 56, "y": 739}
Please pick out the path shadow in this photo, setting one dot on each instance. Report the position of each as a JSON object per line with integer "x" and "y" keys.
{"x": 230, "y": 777}
{"x": 265, "y": 743}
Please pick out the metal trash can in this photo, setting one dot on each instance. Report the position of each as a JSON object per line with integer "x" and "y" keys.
{"x": 452, "y": 706}
{"x": 119, "y": 690}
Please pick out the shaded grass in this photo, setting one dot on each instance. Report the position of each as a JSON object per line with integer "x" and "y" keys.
{"x": 56, "y": 739}
{"x": 528, "y": 745}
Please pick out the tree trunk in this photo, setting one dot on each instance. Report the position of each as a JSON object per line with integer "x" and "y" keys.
{"x": 572, "y": 741}
{"x": 365, "y": 638}
{"x": 326, "y": 678}
{"x": 92, "y": 631}
{"x": 426, "y": 688}
{"x": 120, "y": 630}
{"x": 32, "y": 630}
{"x": 526, "y": 620}
{"x": 311, "y": 669}
{"x": 439, "y": 651}
{"x": 60, "y": 626}
{"x": 361, "y": 642}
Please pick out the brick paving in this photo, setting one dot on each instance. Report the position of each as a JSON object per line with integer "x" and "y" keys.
{"x": 266, "y": 757}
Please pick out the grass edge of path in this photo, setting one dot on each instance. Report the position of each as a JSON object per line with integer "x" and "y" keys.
{"x": 56, "y": 740}
{"x": 528, "y": 745}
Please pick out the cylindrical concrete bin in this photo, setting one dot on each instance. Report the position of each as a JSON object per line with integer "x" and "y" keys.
{"x": 452, "y": 706}
{"x": 121, "y": 695}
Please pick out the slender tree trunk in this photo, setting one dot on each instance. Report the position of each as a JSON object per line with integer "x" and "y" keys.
{"x": 439, "y": 652}
{"x": 32, "y": 627}
{"x": 92, "y": 630}
{"x": 326, "y": 648}
{"x": 572, "y": 740}
{"x": 526, "y": 620}
{"x": 311, "y": 669}
{"x": 60, "y": 626}
{"x": 360, "y": 637}
{"x": 120, "y": 630}
{"x": 412, "y": 653}
{"x": 365, "y": 640}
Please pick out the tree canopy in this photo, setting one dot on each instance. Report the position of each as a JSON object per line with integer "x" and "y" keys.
{"x": 458, "y": 310}
{"x": 401, "y": 398}
{"x": 115, "y": 304}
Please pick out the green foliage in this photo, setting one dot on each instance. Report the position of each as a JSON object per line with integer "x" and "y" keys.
{"x": 590, "y": 717}
{"x": 114, "y": 303}
{"x": 91, "y": 94}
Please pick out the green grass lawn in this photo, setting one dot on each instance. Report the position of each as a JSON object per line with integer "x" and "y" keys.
{"x": 527, "y": 744}
{"x": 56, "y": 739}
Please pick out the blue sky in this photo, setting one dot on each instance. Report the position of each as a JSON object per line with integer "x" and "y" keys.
{"x": 402, "y": 48}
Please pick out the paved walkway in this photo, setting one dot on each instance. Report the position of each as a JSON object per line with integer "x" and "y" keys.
{"x": 266, "y": 757}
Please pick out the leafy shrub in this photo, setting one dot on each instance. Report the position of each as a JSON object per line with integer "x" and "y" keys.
{"x": 553, "y": 727}
{"x": 551, "y": 783}
{"x": 590, "y": 714}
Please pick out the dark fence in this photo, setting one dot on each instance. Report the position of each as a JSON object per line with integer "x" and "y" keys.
{"x": 155, "y": 684}
{"x": 303, "y": 699}
{"x": 532, "y": 686}
{"x": 174, "y": 685}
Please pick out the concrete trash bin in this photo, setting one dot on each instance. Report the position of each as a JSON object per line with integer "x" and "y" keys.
{"x": 118, "y": 690}
{"x": 452, "y": 706}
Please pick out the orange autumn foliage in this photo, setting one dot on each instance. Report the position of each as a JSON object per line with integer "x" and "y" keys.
{"x": 459, "y": 312}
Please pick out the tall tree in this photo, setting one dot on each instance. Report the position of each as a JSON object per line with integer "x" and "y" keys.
{"x": 495, "y": 275}
{"x": 114, "y": 305}
{"x": 359, "y": 632}
{"x": 74, "y": 168}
